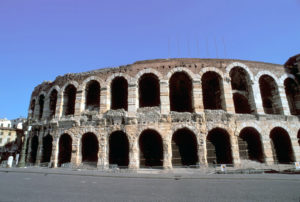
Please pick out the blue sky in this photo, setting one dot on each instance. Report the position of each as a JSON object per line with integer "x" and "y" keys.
{"x": 41, "y": 39}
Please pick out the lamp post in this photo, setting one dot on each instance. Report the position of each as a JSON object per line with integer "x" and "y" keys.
{"x": 22, "y": 162}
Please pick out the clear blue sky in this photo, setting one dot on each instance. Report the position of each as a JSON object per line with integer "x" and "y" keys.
{"x": 41, "y": 39}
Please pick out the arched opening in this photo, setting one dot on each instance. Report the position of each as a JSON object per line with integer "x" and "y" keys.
{"x": 282, "y": 146}
{"x": 213, "y": 92}
{"x": 119, "y": 93}
{"x": 241, "y": 104}
{"x": 41, "y": 105}
{"x": 242, "y": 91}
{"x": 47, "y": 148}
{"x": 292, "y": 95}
{"x": 149, "y": 91}
{"x": 65, "y": 149}
{"x": 92, "y": 95}
{"x": 181, "y": 92}
{"x": 151, "y": 149}
{"x": 270, "y": 95}
{"x": 250, "y": 146}
{"x": 218, "y": 147}
{"x": 118, "y": 149}
{"x": 298, "y": 136}
{"x": 69, "y": 100}
{"x": 34, "y": 147}
{"x": 32, "y": 107}
{"x": 90, "y": 148}
{"x": 184, "y": 148}
{"x": 52, "y": 103}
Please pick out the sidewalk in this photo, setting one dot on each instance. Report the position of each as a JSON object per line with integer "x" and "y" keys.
{"x": 176, "y": 174}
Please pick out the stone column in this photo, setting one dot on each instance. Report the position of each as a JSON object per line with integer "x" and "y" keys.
{"x": 55, "y": 152}
{"x": 201, "y": 144}
{"x": 40, "y": 148}
{"x": 167, "y": 152}
{"x": 284, "y": 101}
{"x": 104, "y": 100}
{"x": 78, "y": 103}
{"x": 46, "y": 112}
{"x": 36, "y": 109}
{"x": 228, "y": 95}
{"x": 132, "y": 99}
{"x": 257, "y": 99}
{"x": 197, "y": 96}
{"x": 59, "y": 105}
{"x": 296, "y": 149}
{"x": 28, "y": 157}
{"x": 134, "y": 159}
{"x": 76, "y": 156}
{"x": 164, "y": 97}
{"x": 268, "y": 153}
{"x": 235, "y": 150}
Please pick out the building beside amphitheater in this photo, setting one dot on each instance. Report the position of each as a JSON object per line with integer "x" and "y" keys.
{"x": 167, "y": 113}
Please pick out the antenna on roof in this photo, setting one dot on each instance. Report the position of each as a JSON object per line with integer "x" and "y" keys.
{"x": 225, "y": 55}
{"x": 216, "y": 47}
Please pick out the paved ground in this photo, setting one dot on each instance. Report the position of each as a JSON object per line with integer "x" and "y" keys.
{"x": 34, "y": 184}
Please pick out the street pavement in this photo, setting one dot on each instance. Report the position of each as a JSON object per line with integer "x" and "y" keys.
{"x": 37, "y": 184}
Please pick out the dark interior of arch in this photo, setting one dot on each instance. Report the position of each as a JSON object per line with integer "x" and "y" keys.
{"x": 119, "y": 93}
{"x": 298, "y": 136}
{"x": 151, "y": 149}
{"x": 218, "y": 147}
{"x": 212, "y": 91}
{"x": 69, "y": 100}
{"x": 270, "y": 95}
{"x": 92, "y": 99}
{"x": 65, "y": 149}
{"x": 32, "y": 107}
{"x": 241, "y": 104}
{"x": 282, "y": 146}
{"x": 47, "y": 148}
{"x": 242, "y": 91}
{"x": 34, "y": 147}
{"x": 41, "y": 105}
{"x": 184, "y": 148}
{"x": 118, "y": 149}
{"x": 52, "y": 103}
{"x": 181, "y": 92}
{"x": 90, "y": 148}
{"x": 250, "y": 146}
{"x": 149, "y": 91}
{"x": 292, "y": 95}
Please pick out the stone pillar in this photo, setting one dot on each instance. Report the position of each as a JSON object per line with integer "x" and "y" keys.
{"x": 296, "y": 149}
{"x": 36, "y": 109}
{"x": 284, "y": 101}
{"x": 59, "y": 105}
{"x": 167, "y": 152}
{"x": 235, "y": 150}
{"x": 55, "y": 152}
{"x": 257, "y": 99}
{"x": 76, "y": 156}
{"x": 46, "y": 112}
{"x": 228, "y": 95}
{"x": 103, "y": 161}
{"x": 201, "y": 144}
{"x": 40, "y": 148}
{"x": 268, "y": 153}
{"x": 28, "y": 157}
{"x": 132, "y": 99}
{"x": 104, "y": 100}
{"x": 78, "y": 103}
{"x": 164, "y": 97}
{"x": 197, "y": 96}
{"x": 134, "y": 158}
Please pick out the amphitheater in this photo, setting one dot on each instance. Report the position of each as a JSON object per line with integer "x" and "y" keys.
{"x": 167, "y": 113}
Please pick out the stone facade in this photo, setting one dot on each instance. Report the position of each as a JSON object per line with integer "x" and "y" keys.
{"x": 166, "y": 113}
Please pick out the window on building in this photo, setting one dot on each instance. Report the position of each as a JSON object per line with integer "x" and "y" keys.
{"x": 8, "y": 125}
{"x": 0, "y": 140}
{"x": 8, "y": 139}
{"x": 1, "y": 133}
{"x": 1, "y": 124}
{"x": 9, "y": 133}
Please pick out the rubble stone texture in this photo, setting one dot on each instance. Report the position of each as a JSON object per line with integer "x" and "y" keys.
{"x": 167, "y": 113}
